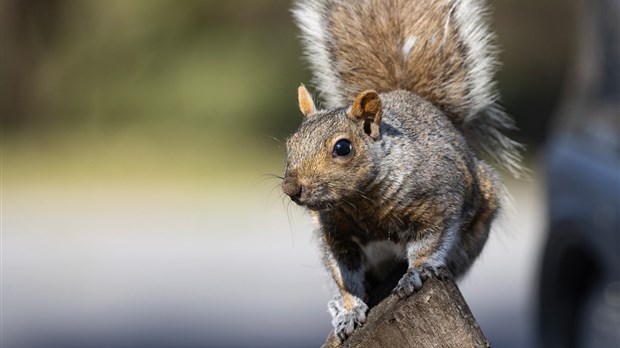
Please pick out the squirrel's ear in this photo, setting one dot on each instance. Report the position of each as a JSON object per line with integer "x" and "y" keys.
{"x": 306, "y": 104}
{"x": 367, "y": 107}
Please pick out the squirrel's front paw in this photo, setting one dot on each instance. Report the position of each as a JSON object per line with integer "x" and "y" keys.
{"x": 346, "y": 321}
{"x": 334, "y": 307}
{"x": 409, "y": 283}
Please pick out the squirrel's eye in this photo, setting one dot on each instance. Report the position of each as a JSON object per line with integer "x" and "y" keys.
{"x": 342, "y": 148}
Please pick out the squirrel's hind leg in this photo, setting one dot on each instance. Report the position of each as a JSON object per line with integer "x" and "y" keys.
{"x": 476, "y": 231}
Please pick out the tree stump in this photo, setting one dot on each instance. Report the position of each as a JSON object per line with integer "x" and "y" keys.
{"x": 434, "y": 316}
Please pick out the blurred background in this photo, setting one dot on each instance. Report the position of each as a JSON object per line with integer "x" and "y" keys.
{"x": 137, "y": 207}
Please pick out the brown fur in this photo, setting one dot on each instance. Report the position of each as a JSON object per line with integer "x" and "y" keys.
{"x": 435, "y": 68}
{"x": 411, "y": 96}
{"x": 441, "y": 50}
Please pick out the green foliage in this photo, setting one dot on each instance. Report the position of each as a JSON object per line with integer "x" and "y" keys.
{"x": 170, "y": 64}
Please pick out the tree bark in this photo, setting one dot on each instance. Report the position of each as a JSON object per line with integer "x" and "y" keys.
{"x": 434, "y": 316}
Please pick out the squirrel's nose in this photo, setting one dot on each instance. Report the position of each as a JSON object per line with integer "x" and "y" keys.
{"x": 293, "y": 189}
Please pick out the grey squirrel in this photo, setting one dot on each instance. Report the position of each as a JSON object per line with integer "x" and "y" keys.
{"x": 392, "y": 169}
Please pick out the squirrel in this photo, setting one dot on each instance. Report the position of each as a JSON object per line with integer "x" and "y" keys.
{"x": 392, "y": 170}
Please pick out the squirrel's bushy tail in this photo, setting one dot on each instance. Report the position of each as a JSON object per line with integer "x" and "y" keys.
{"x": 440, "y": 49}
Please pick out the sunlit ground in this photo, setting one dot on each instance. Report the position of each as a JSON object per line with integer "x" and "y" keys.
{"x": 128, "y": 240}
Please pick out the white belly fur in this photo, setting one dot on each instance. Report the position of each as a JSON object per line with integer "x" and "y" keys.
{"x": 380, "y": 251}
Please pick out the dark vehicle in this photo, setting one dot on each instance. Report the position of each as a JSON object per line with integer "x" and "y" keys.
{"x": 579, "y": 293}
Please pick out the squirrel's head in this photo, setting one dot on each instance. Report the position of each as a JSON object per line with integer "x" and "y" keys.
{"x": 330, "y": 157}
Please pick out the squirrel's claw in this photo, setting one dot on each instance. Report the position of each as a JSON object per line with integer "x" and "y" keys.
{"x": 346, "y": 321}
{"x": 408, "y": 284}
{"x": 429, "y": 271}
{"x": 334, "y": 307}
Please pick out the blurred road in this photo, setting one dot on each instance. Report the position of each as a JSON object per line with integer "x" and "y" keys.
{"x": 189, "y": 266}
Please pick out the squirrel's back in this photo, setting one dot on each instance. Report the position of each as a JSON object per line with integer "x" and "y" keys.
{"x": 441, "y": 50}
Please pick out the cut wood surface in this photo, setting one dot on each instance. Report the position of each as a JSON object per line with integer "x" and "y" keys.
{"x": 434, "y": 316}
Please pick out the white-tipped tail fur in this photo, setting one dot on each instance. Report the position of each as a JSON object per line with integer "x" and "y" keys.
{"x": 313, "y": 23}
{"x": 440, "y": 49}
